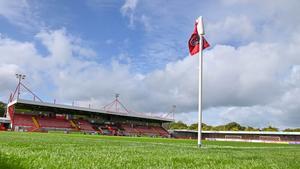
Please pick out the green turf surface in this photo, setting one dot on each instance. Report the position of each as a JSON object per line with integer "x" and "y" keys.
{"x": 55, "y": 150}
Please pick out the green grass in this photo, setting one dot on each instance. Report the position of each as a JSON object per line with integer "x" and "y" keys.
{"x": 56, "y": 150}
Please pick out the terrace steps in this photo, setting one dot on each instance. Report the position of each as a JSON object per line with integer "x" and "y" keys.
{"x": 74, "y": 125}
{"x": 36, "y": 123}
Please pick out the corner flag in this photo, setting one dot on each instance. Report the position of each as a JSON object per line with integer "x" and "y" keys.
{"x": 194, "y": 41}
{"x": 196, "y": 45}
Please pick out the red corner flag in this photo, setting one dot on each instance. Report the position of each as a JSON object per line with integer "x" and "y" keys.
{"x": 194, "y": 42}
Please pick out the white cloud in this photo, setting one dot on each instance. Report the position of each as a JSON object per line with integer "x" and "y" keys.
{"x": 239, "y": 28}
{"x": 7, "y": 72}
{"x": 63, "y": 47}
{"x": 129, "y": 6}
{"x": 58, "y": 44}
{"x": 273, "y": 20}
{"x": 145, "y": 20}
{"x": 259, "y": 116}
{"x": 20, "y": 13}
{"x": 18, "y": 57}
{"x": 247, "y": 75}
{"x": 128, "y": 9}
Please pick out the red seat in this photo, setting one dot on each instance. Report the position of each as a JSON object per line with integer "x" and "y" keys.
{"x": 161, "y": 130}
{"x": 145, "y": 130}
{"x": 23, "y": 120}
{"x": 52, "y": 122}
{"x": 128, "y": 129}
{"x": 84, "y": 125}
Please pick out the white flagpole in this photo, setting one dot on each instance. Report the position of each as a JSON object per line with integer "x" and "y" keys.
{"x": 201, "y": 33}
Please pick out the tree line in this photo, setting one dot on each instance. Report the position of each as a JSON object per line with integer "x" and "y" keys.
{"x": 232, "y": 126}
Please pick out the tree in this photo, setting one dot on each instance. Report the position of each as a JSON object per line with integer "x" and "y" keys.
{"x": 178, "y": 125}
{"x": 270, "y": 128}
{"x": 193, "y": 126}
{"x": 232, "y": 126}
{"x": 292, "y": 130}
{"x": 2, "y": 109}
{"x": 251, "y": 129}
{"x": 219, "y": 128}
{"x": 204, "y": 126}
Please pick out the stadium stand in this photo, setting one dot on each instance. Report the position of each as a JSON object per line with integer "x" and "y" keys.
{"x": 23, "y": 120}
{"x": 162, "y": 132}
{"x": 104, "y": 130}
{"x": 84, "y": 125}
{"x": 44, "y": 122}
{"x": 44, "y": 117}
{"x": 129, "y": 130}
{"x": 33, "y": 122}
{"x": 112, "y": 119}
{"x": 144, "y": 130}
{"x": 74, "y": 125}
{"x": 53, "y": 122}
{"x": 2, "y": 127}
{"x": 36, "y": 123}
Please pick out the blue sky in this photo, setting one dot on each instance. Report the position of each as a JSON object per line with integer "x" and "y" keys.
{"x": 101, "y": 27}
{"x": 85, "y": 51}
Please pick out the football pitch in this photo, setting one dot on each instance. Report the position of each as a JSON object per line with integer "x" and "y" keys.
{"x": 57, "y": 150}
